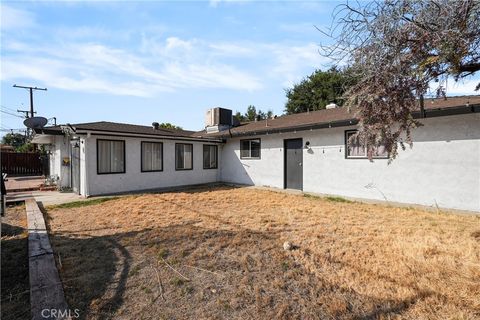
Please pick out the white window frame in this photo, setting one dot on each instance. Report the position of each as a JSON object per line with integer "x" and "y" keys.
{"x": 348, "y": 134}
{"x": 250, "y": 149}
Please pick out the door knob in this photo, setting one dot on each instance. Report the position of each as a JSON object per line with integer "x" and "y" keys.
{"x": 300, "y": 164}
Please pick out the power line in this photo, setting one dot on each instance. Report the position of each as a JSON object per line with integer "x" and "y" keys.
{"x": 7, "y": 108}
{"x": 11, "y": 130}
{"x": 11, "y": 114}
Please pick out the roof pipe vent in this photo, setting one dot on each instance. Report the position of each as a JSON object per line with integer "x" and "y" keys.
{"x": 155, "y": 125}
{"x": 331, "y": 106}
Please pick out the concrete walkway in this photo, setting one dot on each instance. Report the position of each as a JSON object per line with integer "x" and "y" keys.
{"x": 47, "y": 198}
{"x": 23, "y": 183}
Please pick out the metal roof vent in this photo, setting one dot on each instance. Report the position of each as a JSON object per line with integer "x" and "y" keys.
{"x": 331, "y": 106}
{"x": 155, "y": 125}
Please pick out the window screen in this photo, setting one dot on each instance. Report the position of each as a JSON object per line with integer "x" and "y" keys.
{"x": 110, "y": 156}
{"x": 250, "y": 149}
{"x": 356, "y": 150}
{"x": 152, "y": 156}
{"x": 183, "y": 156}
{"x": 210, "y": 156}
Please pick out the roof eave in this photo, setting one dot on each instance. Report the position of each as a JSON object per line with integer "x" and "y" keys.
{"x": 429, "y": 113}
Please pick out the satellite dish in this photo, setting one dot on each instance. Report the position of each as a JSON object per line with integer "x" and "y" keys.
{"x": 35, "y": 122}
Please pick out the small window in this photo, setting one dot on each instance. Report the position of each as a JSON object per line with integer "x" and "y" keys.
{"x": 210, "y": 156}
{"x": 152, "y": 156}
{"x": 250, "y": 149}
{"x": 110, "y": 156}
{"x": 183, "y": 156}
{"x": 356, "y": 150}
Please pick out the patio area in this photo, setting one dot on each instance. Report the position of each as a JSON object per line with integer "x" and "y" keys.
{"x": 23, "y": 183}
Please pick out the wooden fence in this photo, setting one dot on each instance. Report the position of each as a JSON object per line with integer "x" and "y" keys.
{"x": 19, "y": 163}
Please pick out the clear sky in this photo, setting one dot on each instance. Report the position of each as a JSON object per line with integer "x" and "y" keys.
{"x": 139, "y": 62}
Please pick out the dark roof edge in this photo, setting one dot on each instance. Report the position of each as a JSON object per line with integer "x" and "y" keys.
{"x": 429, "y": 113}
{"x": 131, "y": 135}
{"x": 158, "y": 137}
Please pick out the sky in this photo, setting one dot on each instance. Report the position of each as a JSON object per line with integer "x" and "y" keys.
{"x": 162, "y": 61}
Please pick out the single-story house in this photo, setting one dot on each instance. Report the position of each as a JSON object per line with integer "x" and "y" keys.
{"x": 308, "y": 151}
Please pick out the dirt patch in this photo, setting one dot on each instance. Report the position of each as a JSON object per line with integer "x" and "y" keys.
{"x": 218, "y": 254}
{"x": 15, "y": 282}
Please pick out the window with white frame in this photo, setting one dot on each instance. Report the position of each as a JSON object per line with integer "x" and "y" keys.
{"x": 110, "y": 156}
{"x": 152, "y": 156}
{"x": 183, "y": 156}
{"x": 250, "y": 149}
{"x": 355, "y": 149}
{"x": 210, "y": 156}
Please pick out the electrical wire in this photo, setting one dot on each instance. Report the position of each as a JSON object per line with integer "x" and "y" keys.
{"x": 7, "y": 108}
{"x": 11, "y": 114}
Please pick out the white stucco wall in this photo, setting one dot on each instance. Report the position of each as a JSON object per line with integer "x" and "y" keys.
{"x": 133, "y": 179}
{"x": 443, "y": 168}
{"x": 59, "y": 150}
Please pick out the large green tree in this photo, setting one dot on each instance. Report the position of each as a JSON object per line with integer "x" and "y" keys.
{"x": 15, "y": 140}
{"x": 319, "y": 89}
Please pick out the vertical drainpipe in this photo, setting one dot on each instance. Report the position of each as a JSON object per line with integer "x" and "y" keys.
{"x": 220, "y": 159}
{"x": 85, "y": 144}
{"x": 422, "y": 107}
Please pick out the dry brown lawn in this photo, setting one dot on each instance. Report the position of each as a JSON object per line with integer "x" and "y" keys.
{"x": 15, "y": 303}
{"x": 218, "y": 254}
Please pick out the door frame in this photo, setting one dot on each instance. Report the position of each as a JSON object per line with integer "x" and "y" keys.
{"x": 75, "y": 144}
{"x": 285, "y": 160}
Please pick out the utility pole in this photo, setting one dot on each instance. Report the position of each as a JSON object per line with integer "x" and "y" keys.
{"x": 31, "y": 96}
{"x": 25, "y": 113}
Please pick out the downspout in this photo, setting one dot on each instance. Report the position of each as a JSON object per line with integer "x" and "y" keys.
{"x": 422, "y": 107}
{"x": 87, "y": 187}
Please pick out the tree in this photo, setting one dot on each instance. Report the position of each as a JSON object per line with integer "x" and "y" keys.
{"x": 168, "y": 125}
{"x": 15, "y": 140}
{"x": 27, "y": 147}
{"x": 240, "y": 117}
{"x": 397, "y": 49}
{"x": 319, "y": 89}
{"x": 252, "y": 114}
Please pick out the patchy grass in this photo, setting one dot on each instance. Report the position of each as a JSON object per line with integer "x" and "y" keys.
{"x": 15, "y": 284}
{"x": 337, "y": 199}
{"x": 328, "y": 198}
{"x": 83, "y": 203}
{"x": 129, "y": 258}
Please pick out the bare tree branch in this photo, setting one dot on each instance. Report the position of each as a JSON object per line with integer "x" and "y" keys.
{"x": 398, "y": 49}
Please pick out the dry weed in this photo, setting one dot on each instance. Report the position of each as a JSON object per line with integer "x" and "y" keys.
{"x": 353, "y": 260}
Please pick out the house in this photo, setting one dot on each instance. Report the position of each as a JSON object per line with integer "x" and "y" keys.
{"x": 308, "y": 151}
{"x": 6, "y": 148}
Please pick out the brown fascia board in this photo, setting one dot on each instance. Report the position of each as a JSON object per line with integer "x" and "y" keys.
{"x": 428, "y": 113}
